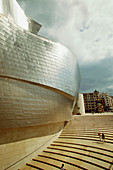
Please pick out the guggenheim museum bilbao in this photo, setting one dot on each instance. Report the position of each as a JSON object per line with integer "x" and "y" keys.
{"x": 39, "y": 82}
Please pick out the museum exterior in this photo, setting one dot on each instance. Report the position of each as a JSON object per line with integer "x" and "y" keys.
{"x": 39, "y": 83}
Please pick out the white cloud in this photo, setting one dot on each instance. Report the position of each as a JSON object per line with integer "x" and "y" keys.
{"x": 86, "y": 28}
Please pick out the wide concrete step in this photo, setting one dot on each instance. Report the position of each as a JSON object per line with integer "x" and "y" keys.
{"x": 77, "y": 156}
{"x": 79, "y": 146}
{"x": 39, "y": 164}
{"x": 81, "y": 150}
{"x": 67, "y": 159}
{"x": 56, "y": 161}
{"x": 90, "y": 148}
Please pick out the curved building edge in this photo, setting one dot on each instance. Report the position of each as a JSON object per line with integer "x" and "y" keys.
{"x": 14, "y": 13}
{"x": 60, "y": 68}
{"x": 39, "y": 82}
{"x": 34, "y": 59}
{"x": 28, "y": 63}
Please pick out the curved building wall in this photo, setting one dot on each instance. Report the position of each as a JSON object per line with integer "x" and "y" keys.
{"x": 28, "y": 62}
{"x": 13, "y": 12}
{"x": 38, "y": 60}
{"x": 24, "y": 104}
{"x": 39, "y": 81}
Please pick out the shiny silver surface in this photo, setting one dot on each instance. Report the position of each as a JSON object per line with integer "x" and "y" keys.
{"x": 37, "y": 59}
{"x": 33, "y": 71}
{"x": 14, "y": 13}
{"x": 24, "y": 104}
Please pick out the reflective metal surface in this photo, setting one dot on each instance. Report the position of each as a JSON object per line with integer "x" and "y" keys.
{"x": 36, "y": 59}
{"x": 23, "y": 104}
{"x": 27, "y": 62}
{"x": 13, "y": 12}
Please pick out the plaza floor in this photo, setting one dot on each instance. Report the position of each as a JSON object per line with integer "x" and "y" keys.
{"x": 79, "y": 146}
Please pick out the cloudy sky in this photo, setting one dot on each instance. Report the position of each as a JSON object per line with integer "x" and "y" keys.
{"x": 86, "y": 28}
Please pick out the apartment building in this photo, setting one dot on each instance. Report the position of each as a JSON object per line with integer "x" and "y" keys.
{"x": 90, "y": 101}
{"x": 96, "y": 102}
{"x": 108, "y": 101}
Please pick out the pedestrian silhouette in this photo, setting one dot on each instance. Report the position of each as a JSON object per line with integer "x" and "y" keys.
{"x": 62, "y": 167}
{"x": 103, "y": 137}
{"x": 99, "y": 136}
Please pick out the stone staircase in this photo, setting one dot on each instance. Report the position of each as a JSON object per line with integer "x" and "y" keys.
{"x": 79, "y": 146}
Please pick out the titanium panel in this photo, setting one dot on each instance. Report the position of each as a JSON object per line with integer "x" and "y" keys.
{"x": 12, "y": 10}
{"x": 23, "y": 104}
{"x": 37, "y": 59}
{"x": 33, "y": 70}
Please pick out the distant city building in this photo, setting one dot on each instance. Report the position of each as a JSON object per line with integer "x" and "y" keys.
{"x": 90, "y": 101}
{"x": 108, "y": 101}
{"x": 95, "y": 102}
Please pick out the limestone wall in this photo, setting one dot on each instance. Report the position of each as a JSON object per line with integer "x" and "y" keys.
{"x": 79, "y": 107}
{"x": 20, "y": 145}
{"x": 81, "y": 104}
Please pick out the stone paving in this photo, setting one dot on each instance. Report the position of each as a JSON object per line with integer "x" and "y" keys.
{"x": 79, "y": 146}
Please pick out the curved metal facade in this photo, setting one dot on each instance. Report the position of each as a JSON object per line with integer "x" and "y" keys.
{"x": 35, "y": 73}
{"x": 24, "y": 104}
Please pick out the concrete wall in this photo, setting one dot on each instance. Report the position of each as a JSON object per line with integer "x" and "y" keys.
{"x": 81, "y": 103}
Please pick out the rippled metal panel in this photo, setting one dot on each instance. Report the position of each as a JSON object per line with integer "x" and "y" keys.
{"x": 23, "y": 104}
{"x": 35, "y": 75}
{"x": 36, "y": 59}
{"x": 13, "y": 12}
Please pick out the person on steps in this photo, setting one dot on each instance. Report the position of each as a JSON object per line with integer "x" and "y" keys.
{"x": 62, "y": 167}
{"x": 103, "y": 137}
{"x": 99, "y": 136}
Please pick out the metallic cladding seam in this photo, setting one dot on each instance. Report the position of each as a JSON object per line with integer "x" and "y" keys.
{"x": 27, "y": 60}
{"x": 24, "y": 104}
{"x": 37, "y": 60}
